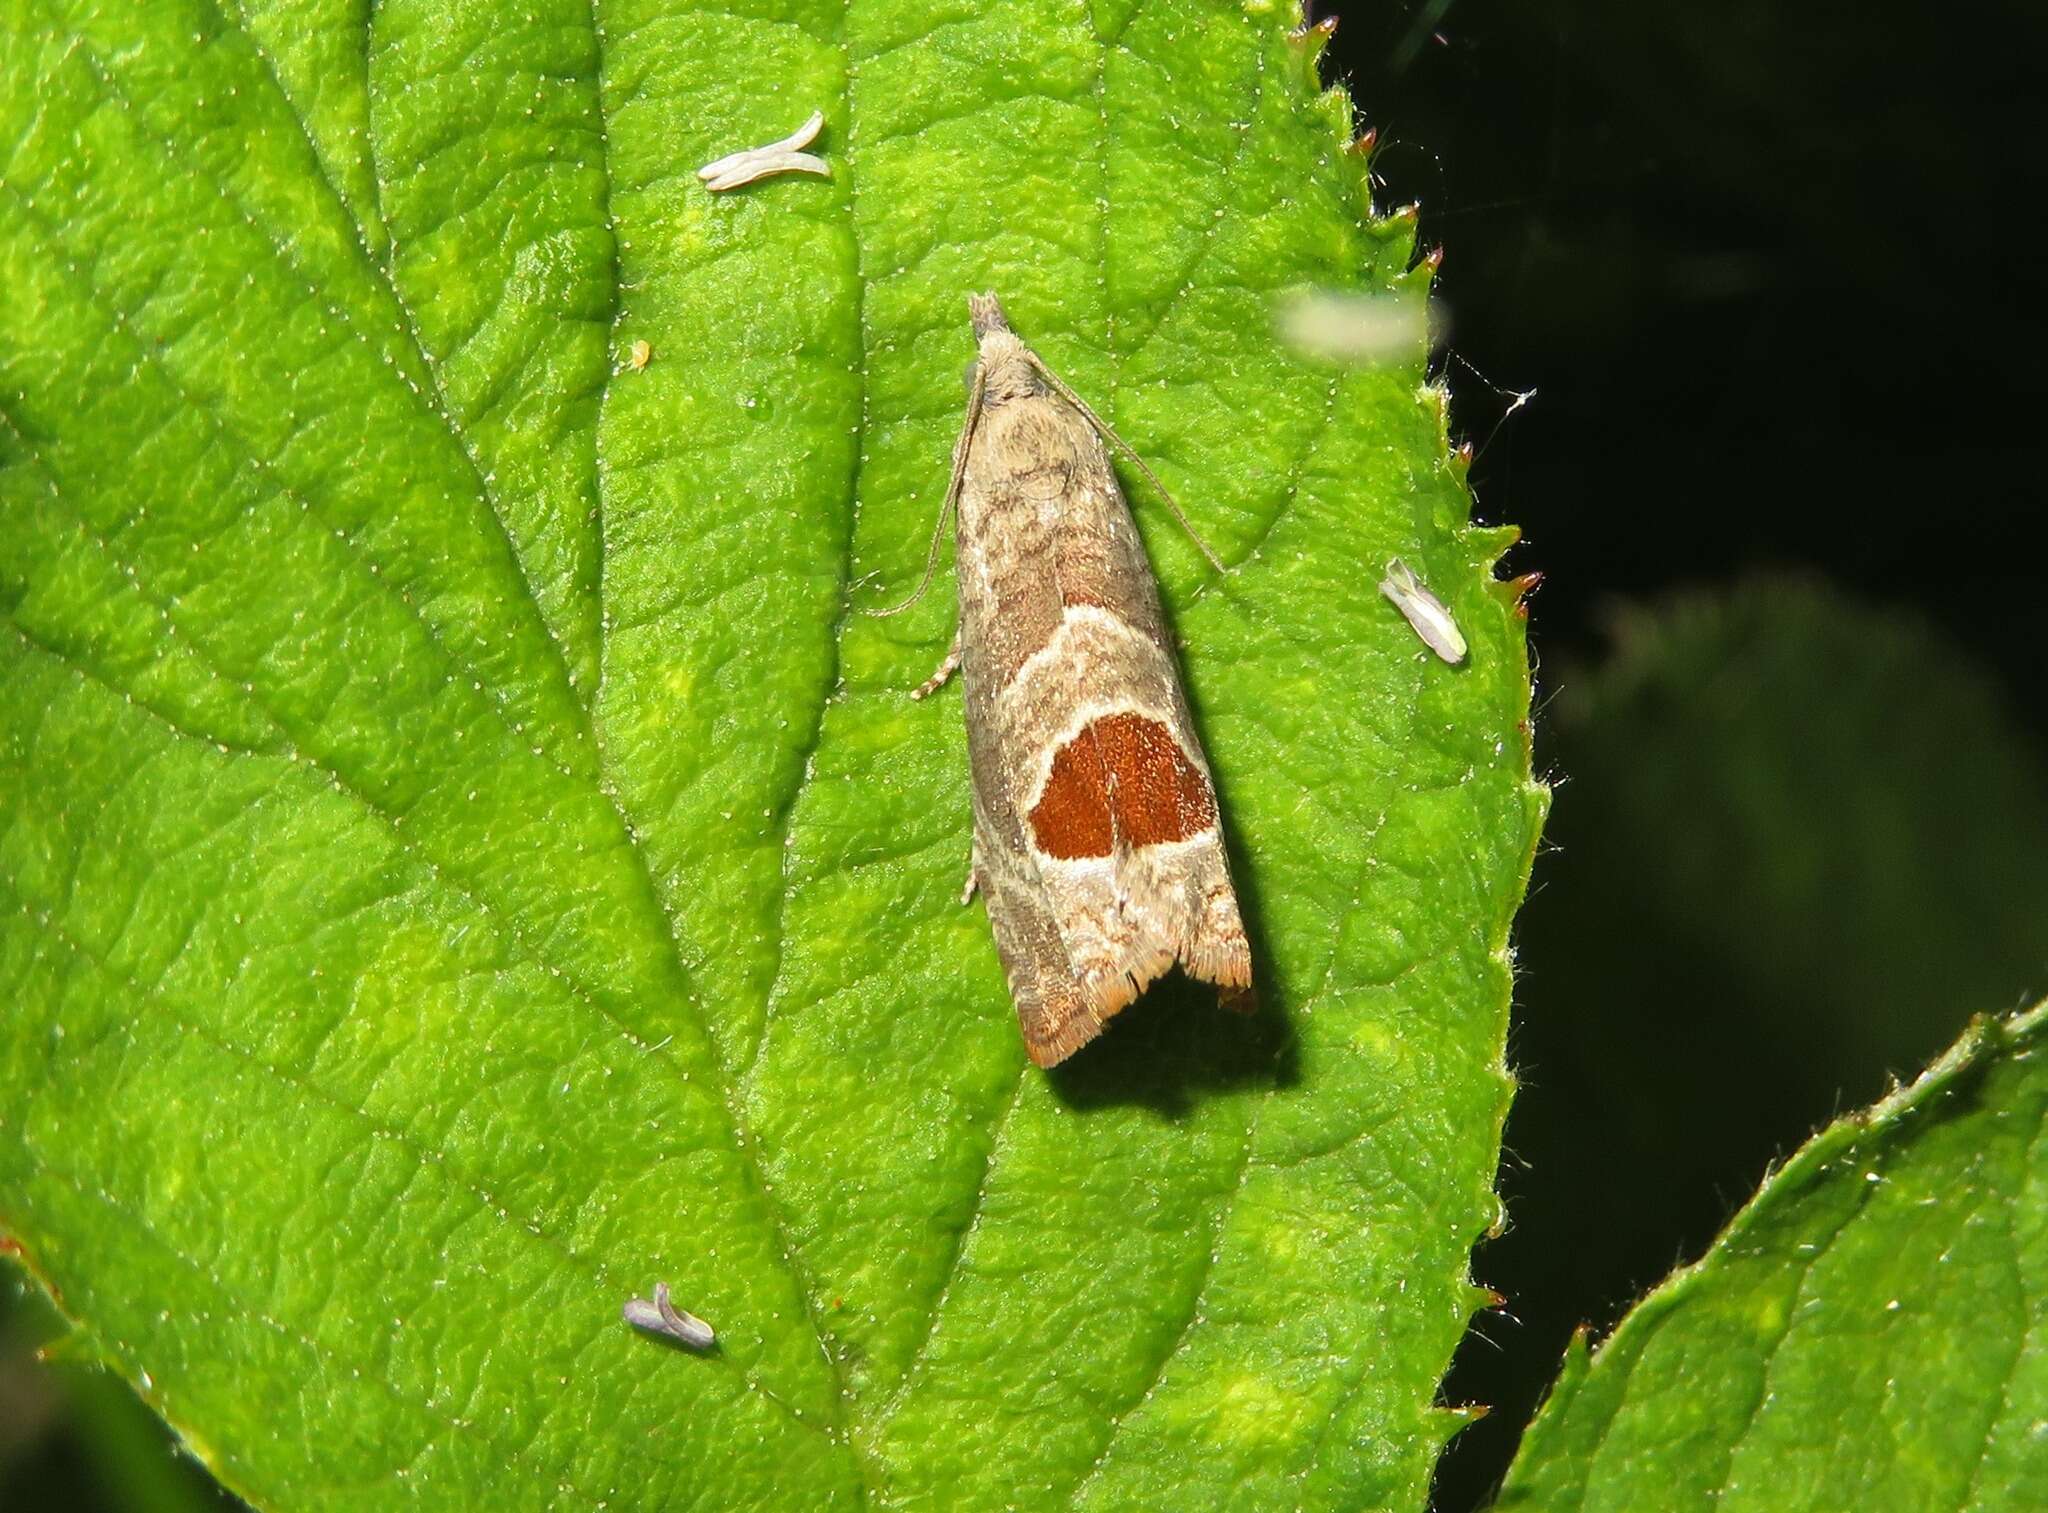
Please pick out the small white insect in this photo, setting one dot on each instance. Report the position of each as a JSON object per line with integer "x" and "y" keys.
{"x": 738, "y": 168}
{"x": 663, "y": 1318}
{"x": 1424, "y": 611}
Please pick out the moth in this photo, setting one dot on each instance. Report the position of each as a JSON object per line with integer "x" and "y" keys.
{"x": 1098, "y": 845}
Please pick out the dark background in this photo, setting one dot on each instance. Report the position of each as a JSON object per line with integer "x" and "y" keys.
{"x": 1770, "y": 270}
{"x": 1769, "y": 273}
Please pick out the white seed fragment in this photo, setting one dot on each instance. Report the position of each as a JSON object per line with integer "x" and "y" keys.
{"x": 738, "y": 168}
{"x": 664, "y": 1318}
{"x": 1424, "y": 611}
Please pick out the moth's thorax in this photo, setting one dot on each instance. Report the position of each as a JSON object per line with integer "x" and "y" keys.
{"x": 1006, "y": 371}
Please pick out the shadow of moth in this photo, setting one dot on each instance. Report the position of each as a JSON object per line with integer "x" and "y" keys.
{"x": 1097, "y": 841}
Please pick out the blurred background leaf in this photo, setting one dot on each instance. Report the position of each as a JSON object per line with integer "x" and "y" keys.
{"x": 73, "y": 1434}
{"x": 1800, "y": 842}
{"x": 1864, "y": 1335}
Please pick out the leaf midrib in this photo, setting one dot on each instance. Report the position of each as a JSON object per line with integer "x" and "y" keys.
{"x": 437, "y": 412}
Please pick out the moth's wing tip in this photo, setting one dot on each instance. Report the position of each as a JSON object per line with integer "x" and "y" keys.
{"x": 1111, "y": 991}
{"x": 1228, "y": 970}
{"x": 1079, "y": 1011}
{"x": 1084, "y": 1012}
{"x": 1047, "y": 1054}
{"x": 1048, "y": 1047}
{"x": 1219, "y": 954}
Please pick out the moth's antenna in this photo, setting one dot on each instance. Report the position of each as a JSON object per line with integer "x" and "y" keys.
{"x": 1104, "y": 429}
{"x": 952, "y": 499}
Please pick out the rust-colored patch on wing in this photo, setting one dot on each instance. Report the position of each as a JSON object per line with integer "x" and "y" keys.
{"x": 1123, "y": 778}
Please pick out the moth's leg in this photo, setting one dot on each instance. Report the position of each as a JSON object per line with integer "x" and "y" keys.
{"x": 949, "y": 506}
{"x": 973, "y": 873}
{"x": 941, "y": 673}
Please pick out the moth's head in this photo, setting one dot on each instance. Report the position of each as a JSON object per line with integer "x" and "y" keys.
{"x": 1006, "y": 366}
{"x": 985, "y": 312}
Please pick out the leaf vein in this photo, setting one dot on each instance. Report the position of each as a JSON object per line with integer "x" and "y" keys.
{"x": 961, "y": 1238}
{"x": 244, "y": 1307}
{"x": 241, "y": 446}
{"x": 438, "y": 412}
{"x": 426, "y": 1158}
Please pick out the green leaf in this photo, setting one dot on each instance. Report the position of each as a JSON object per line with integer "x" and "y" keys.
{"x": 1865, "y": 1334}
{"x": 465, "y": 858}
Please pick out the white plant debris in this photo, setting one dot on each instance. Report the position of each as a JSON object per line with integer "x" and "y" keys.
{"x": 663, "y": 1318}
{"x": 1424, "y": 611}
{"x": 735, "y": 169}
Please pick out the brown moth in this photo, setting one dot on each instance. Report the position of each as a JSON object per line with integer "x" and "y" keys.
{"x": 1097, "y": 843}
